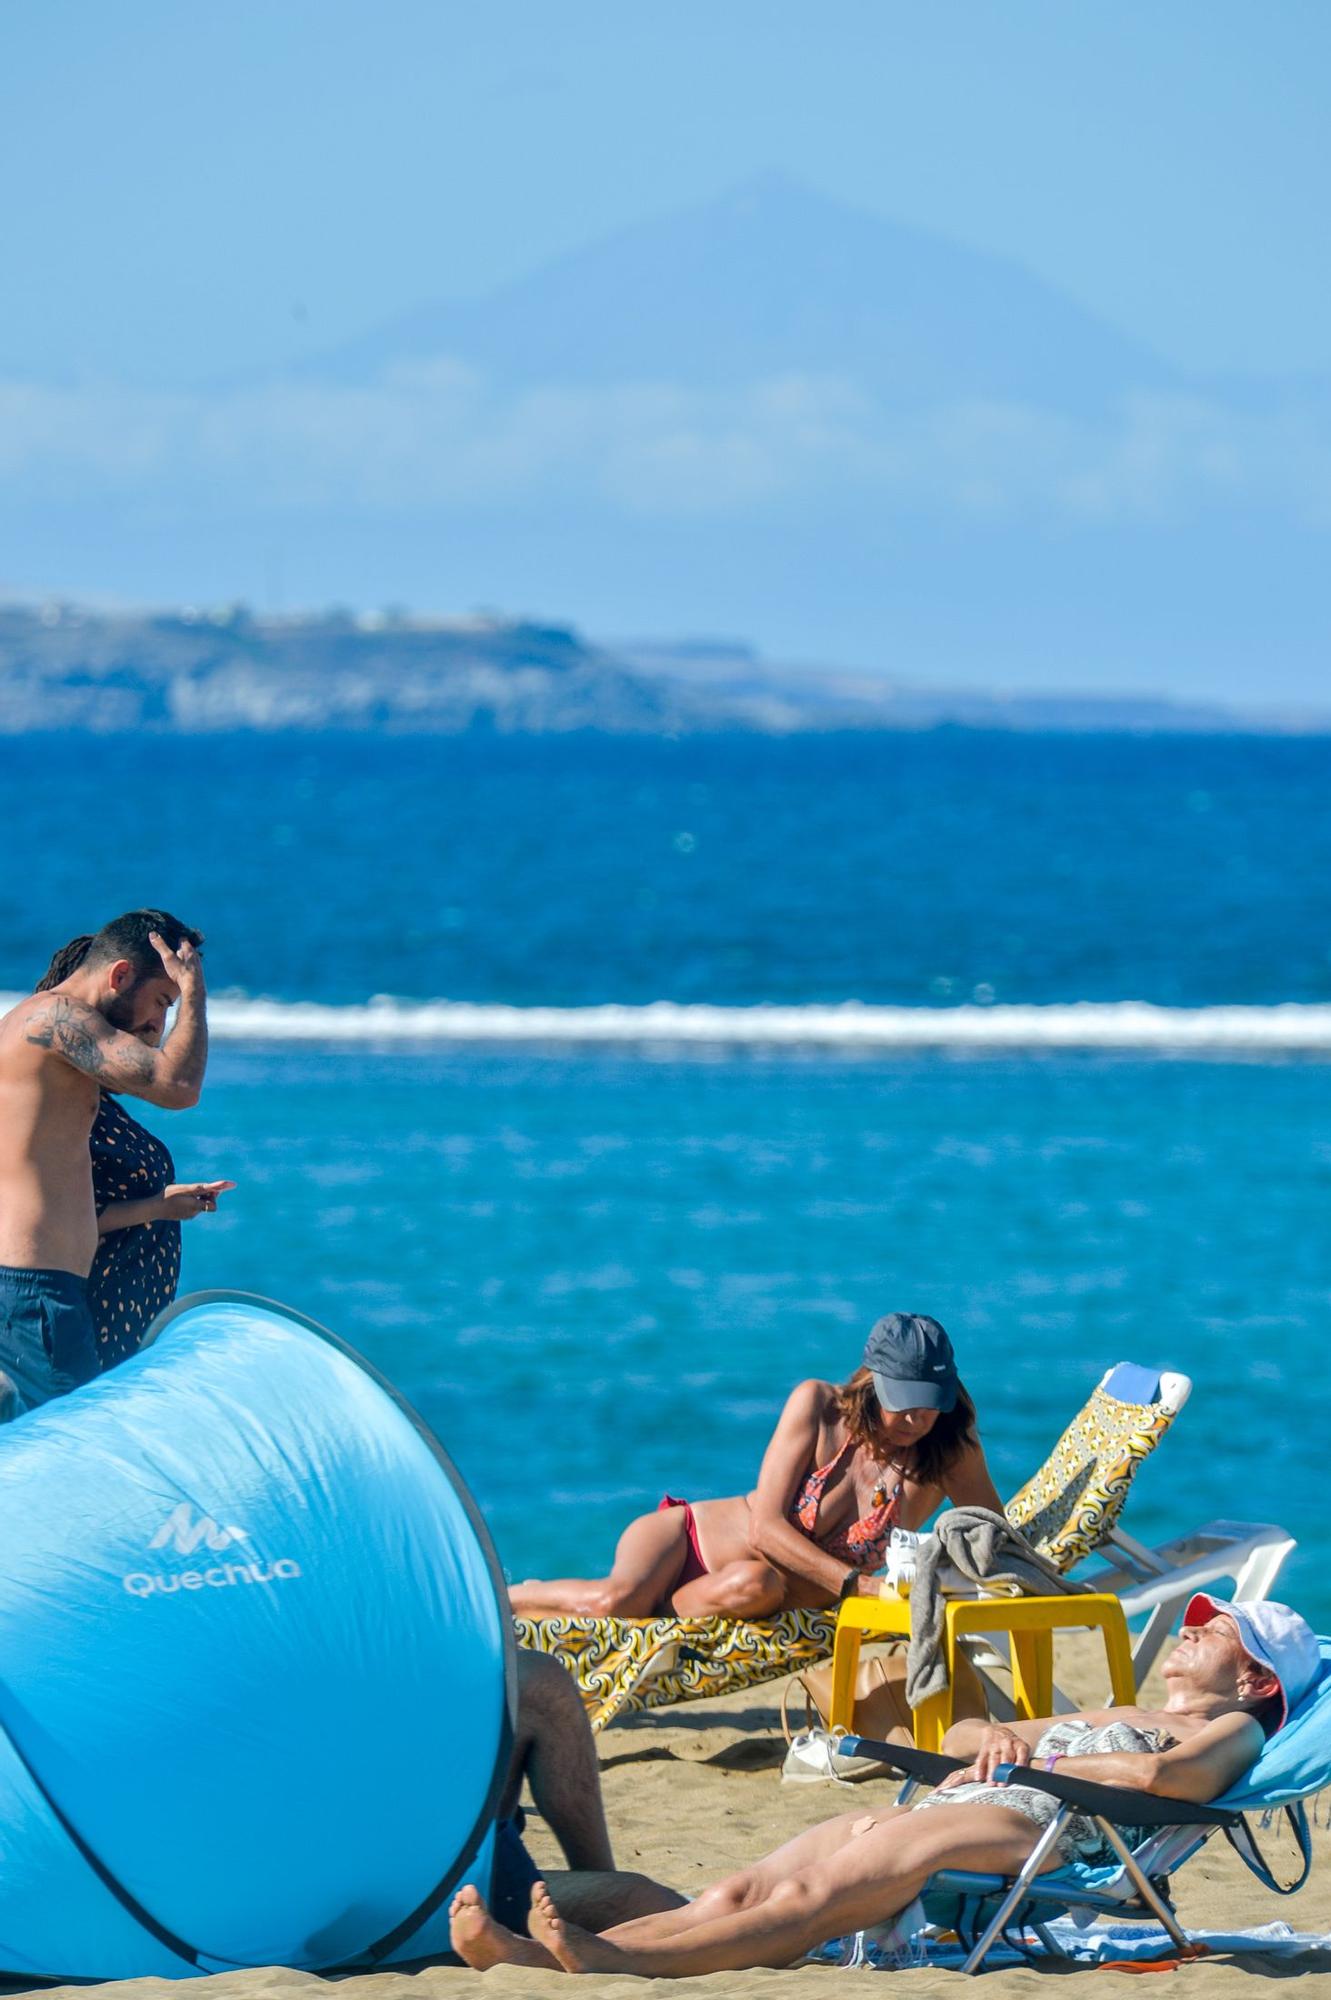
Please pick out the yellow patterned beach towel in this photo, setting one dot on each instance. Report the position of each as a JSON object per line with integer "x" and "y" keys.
{"x": 622, "y": 1665}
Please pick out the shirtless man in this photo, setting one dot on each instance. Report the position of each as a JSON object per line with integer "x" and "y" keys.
{"x": 57, "y": 1050}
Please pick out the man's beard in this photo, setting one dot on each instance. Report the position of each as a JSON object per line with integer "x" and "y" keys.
{"x": 121, "y": 1008}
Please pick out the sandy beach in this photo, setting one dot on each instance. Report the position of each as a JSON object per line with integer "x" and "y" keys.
{"x": 694, "y": 1791}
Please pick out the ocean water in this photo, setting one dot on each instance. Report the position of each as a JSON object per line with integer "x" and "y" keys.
{"x": 597, "y": 1264}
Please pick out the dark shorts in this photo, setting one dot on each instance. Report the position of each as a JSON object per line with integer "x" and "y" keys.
{"x": 47, "y": 1343}
{"x": 513, "y": 1875}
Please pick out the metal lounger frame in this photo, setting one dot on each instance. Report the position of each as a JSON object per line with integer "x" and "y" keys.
{"x": 1003, "y": 1906}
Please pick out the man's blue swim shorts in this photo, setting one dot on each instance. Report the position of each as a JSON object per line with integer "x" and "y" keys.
{"x": 47, "y": 1342}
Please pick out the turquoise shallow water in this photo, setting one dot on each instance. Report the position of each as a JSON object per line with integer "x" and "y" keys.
{"x": 596, "y": 1274}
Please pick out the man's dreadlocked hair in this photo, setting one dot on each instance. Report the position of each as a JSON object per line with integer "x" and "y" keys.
{"x": 67, "y": 960}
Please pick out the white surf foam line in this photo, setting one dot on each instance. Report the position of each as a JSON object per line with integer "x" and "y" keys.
{"x": 1289, "y": 1028}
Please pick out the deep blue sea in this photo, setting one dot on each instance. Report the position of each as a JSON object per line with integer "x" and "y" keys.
{"x": 597, "y": 1269}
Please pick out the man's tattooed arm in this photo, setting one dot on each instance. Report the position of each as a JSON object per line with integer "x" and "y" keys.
{"x": 72, "y": 1029}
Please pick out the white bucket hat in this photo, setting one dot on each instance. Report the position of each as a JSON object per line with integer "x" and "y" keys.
{"x": 1274, "y": 1636}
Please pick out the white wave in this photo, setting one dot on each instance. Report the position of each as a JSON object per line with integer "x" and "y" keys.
{"x": 1289, "y": 1028}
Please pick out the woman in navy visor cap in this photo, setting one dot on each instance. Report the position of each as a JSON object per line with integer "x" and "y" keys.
{"x": 846, "y": 1464}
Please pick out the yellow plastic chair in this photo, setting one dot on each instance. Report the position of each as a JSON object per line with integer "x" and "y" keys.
{"x": 1067, "y": 1510}
{"x": 1029, "y": 1623}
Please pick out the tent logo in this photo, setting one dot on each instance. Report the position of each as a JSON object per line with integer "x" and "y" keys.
{"x": 184, "y": 1534}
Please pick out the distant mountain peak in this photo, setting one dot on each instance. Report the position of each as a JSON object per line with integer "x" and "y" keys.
{"x": 773, "y": 279}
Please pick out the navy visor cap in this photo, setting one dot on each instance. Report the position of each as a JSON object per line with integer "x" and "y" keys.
{"x": 912, "y": 1363}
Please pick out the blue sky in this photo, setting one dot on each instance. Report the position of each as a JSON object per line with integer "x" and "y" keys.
{"x": 182, "y": 181}
{"x": 196, "y": 193}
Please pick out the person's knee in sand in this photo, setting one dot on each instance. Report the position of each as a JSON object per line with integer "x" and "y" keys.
{"x": 554, "y": 1757}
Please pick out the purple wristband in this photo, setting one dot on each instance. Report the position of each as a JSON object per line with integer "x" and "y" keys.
{"x": 1050, "y": 1762}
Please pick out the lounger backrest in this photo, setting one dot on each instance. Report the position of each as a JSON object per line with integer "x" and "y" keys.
{"x": 1296, "y": 1761}
{"x": 1070, "y": 1506}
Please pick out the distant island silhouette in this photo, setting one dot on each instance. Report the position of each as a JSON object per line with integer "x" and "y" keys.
{"x": 192, "y": 671}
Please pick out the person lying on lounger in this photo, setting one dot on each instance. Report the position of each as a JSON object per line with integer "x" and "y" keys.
{"x": 845, "y": 1466}
{"x": 1231, "y": 1680}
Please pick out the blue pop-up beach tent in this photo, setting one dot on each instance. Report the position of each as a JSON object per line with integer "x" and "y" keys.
{"x": 256, "y": 1668}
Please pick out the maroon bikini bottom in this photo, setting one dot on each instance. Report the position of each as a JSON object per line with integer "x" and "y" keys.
{"x": 694, "y": 1566}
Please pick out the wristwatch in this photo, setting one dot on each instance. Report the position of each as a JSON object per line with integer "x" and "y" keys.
{"x": 850, "y": 1585}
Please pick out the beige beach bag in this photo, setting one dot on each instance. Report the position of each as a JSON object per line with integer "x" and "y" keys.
{"x": 881, "y": 1708}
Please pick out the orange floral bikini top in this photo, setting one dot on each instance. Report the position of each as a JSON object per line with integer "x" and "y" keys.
{"x": 863, "y": 1545}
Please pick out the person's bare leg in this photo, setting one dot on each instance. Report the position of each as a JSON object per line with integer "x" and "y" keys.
{"x": 747, "y": 1886}
{"x": 583, "y": 1904}
{"x": 867, "y": 1879}
{"x": 555, "y": 1752}
{"x": 480, "y": 1942}
{"x": 746, "y": 1588}
{"x": 648, "y": 1559}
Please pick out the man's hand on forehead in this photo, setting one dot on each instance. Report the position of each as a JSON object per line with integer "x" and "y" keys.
{"x": 182, "y": 967}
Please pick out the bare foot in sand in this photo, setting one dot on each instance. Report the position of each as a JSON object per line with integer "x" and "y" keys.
{"x": 576, "y": 1950}
{"x": 480, "y": 1942}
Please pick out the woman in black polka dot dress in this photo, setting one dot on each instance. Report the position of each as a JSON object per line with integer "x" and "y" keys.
{"x": 139, "y": 1212}
{"x": 140, "y": 1207}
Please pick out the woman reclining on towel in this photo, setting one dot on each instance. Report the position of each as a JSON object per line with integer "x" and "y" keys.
{"x": 845, "y": 1466}
{"x": 1234, "y": 1675}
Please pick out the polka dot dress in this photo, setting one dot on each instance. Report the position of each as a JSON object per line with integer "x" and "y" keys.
{"x": 135, "y": 1271}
